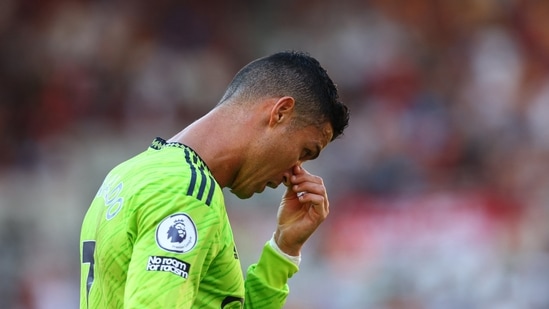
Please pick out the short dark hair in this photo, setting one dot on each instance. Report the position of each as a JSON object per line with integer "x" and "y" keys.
{"x": 295, "y": 74}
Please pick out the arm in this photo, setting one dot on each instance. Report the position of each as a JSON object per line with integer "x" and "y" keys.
{"x": 266, "y": 281}
{"x": 298, "y": 217}
{"x": 160, "y": 275}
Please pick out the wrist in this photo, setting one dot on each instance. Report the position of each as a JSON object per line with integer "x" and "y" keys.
{"x": 283, "y": 246}
{"x": 296, "y": 259}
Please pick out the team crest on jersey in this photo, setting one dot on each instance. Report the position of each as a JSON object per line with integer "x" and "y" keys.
{"x": 176, "y": 233}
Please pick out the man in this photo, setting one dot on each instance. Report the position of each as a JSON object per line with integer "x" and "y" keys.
{"x": 157, "y": 233}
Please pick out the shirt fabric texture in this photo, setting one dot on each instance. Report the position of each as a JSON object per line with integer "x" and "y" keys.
{"x": 157, "y": 235}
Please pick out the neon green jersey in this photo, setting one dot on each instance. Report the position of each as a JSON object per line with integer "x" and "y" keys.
{"x": 157, "y": 235}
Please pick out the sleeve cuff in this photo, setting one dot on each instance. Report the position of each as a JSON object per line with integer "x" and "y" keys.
{"x": 273, "y": 268}
{"x": 294, "y": 259}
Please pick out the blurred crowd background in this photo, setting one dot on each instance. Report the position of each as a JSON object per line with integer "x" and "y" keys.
{"x": 439, "y": 188}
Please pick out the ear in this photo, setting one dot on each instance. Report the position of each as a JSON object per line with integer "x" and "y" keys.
{"x": 281, "y": 110}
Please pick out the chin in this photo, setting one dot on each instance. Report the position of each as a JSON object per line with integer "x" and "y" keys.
{"x": 242, "y": 195}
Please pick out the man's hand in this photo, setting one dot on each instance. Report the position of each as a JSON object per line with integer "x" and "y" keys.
{"x": 303, "y": 208}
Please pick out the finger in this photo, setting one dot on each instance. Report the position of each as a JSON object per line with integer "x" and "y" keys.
{"x": 298, "y": 169}
{"x": 305, "y": 177}
{"x": 310, "y": 185}
{"x": 288, "y": 179}
{"x": 320, "y": 202}
{"x": 322, "y": 210}
{"x": 317, "y": 204}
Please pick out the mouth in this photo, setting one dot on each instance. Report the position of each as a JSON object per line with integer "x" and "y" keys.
{"x": 275, "y": 183}
{"x": 271, "y": 184}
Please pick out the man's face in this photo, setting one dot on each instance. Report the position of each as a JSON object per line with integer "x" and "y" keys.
{"x": 181, "y": 230}
{"x": 272, "y": 158}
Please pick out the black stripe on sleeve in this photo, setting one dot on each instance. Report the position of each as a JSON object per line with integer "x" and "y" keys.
{"x": 202, "y": 185}
{"x": 211, "y": 192}
{"x": 193, "y": 172}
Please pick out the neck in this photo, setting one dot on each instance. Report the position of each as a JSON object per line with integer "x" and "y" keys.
{"x": 217, "y": 138}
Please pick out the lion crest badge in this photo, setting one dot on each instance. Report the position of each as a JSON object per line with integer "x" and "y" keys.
{"x": 176, "y": 233}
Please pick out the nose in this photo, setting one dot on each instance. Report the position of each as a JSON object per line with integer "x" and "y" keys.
{"x": 286, "y": 179}
{"x": 288, "y": 174}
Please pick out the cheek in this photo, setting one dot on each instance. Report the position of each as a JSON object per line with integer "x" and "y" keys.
{"x": 276, "y": 158}
{"x": 281, "y": 163}
{"x": 279, "y": 156}
{"x": 272, "y": 164}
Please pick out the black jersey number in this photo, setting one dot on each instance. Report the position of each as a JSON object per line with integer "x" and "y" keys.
{"x": 88, "y": 249}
